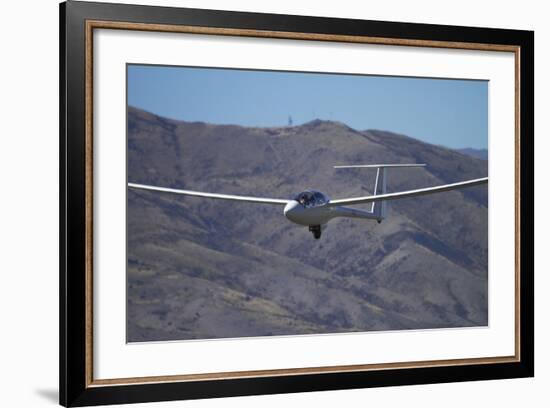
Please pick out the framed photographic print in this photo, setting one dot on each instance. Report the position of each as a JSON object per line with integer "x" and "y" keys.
{"x": 256, "y": 203}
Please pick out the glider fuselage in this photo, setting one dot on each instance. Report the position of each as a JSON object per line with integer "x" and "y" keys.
{"x": 309, "y": 208}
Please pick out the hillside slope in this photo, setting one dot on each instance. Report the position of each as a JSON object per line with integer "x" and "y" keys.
{"x": 200, "y": 268}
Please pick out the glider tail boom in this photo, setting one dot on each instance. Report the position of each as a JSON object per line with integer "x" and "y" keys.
{"x": 380, "y": 208}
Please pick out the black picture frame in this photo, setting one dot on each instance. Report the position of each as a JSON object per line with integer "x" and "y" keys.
{"x": 76, "y": 385}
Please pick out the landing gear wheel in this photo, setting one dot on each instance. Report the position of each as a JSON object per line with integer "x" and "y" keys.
{"x": 316, "y": 230}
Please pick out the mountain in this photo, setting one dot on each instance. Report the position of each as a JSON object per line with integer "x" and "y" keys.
{"x": 200, "y": 268}
{"x": 477, "y": 153}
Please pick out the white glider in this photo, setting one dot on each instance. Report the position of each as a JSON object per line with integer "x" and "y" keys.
{"x": 314, "y": 209}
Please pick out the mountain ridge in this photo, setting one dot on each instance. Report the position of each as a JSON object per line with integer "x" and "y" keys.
{"x": 477, "y": 153}
{"x": 423, "y": 267}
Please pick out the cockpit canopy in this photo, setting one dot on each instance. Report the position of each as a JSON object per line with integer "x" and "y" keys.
{"x": 311, "y": 198}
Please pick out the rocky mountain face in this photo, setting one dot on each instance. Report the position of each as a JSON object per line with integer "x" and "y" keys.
{"x": 201, "y": 268}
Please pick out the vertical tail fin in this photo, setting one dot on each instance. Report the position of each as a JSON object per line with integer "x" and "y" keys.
{"x": 379, "y": 208}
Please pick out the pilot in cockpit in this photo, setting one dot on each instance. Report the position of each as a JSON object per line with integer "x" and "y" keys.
{"x": 309, "y": 199}
{"x": 306, "y": 199}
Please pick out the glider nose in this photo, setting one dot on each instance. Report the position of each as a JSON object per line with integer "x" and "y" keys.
{"x": 292, "y": 209}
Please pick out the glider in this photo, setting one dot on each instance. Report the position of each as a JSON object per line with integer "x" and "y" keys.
{"x": 315, "y": 209}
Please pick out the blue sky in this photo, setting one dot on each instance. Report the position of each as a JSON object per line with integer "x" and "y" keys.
{"x": 451, "y": 113}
